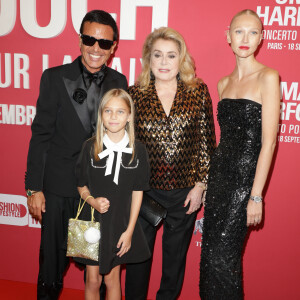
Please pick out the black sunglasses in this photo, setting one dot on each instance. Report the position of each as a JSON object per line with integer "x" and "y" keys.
{"x": 90, "y": 41}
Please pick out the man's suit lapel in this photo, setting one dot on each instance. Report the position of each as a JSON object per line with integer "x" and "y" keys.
{"x": 73, "y": 80}
{"x": 81, "y": 109}
{"x": 93, "y": 100}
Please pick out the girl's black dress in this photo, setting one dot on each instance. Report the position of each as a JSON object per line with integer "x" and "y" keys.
{"x": 132, "y": 177}
{"x": 231, "y": 176}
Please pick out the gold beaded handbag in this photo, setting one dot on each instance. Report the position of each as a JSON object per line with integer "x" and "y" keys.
{"x": 83, "y": 236}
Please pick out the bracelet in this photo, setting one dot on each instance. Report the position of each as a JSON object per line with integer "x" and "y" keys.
{"x": 90, "y": 196}
{"x": 201, "y": 185}
{"x": 30, "y": 193}
{"x": 256, "y": 199}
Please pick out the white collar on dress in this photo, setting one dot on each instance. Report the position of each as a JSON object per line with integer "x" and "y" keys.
{"x": 112, "y": 147}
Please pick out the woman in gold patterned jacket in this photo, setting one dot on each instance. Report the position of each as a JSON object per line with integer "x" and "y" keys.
{"x": 174, "y": 120}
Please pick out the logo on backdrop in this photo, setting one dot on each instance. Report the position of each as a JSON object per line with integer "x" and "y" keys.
{"x": 289, "y": 127}
{"x": 78, "y": 9}
{"x": 198, "y": 229}
{"x": 17, "y": 114}
{"x": 13, "y": 211}
{"x": 284, "y": 19}
{"x": 14, "y": 67}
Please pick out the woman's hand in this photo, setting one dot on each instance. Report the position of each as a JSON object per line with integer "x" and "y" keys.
{"x": 194, "y": 197}
{"x": 124, "y": 242}
{"x": 254, "y": 213}
{"x": 101, "y": 204}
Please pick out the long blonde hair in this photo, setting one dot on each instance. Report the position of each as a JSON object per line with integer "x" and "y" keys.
{"x": 186, "y": 62}
{"x": 100, "y": 130}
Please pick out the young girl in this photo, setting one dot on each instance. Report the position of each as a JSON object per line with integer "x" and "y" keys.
{"x": 112, "y": 172}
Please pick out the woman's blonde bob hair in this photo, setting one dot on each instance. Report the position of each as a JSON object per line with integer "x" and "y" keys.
{"x": 186, "y": 62}
{"x": 100, "y": 130}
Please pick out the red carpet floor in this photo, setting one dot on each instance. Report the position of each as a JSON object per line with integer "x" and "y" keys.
{"x": 13, "y": 290}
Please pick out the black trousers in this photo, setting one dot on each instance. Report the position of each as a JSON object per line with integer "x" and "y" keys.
{"x": 53, "y": 261}
{"x": 177, "y": 232}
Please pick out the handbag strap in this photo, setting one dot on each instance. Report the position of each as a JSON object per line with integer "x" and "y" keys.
{"x": 81, "y": 207}
{"x": 92, "y": 214}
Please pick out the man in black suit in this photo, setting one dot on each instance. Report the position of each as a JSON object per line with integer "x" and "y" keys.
{"x": 66, "y": 116}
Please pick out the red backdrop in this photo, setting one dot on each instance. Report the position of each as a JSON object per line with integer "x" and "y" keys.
{"x": 36, "y": 34}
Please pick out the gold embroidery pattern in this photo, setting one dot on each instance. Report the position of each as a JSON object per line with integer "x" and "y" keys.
{"x": 179, "y": 145}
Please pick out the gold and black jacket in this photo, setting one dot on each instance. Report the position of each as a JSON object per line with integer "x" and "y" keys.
{"x": 179, "y": 145}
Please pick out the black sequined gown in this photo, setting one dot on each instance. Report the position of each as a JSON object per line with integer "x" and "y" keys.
{"x": 230, "y": 181}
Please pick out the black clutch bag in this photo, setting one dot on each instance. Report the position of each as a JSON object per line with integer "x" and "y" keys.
{"x": 152, "y": 211}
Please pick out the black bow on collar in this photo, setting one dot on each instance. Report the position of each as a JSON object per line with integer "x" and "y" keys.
{"x": 96, "y": 77}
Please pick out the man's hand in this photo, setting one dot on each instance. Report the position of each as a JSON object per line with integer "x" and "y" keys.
{"x": 36, "y": 205}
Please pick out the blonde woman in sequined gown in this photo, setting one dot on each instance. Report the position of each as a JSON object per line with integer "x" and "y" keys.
{"x": 174, "y": 120}
{"x": 248, "y": 116}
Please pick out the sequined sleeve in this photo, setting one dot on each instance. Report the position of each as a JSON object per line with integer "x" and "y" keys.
{"x": 207, "y": 142}
{"x": 132, "y": 91}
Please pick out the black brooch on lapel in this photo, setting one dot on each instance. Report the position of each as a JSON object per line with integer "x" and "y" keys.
{"x": 79, "y": 95}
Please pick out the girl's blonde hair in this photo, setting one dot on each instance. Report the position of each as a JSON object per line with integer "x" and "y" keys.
{"x": 186, "y": 62}
{"x": 100, "y": 130}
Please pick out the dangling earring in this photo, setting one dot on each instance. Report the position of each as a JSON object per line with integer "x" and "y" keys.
{"x": 178, "y": 76}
